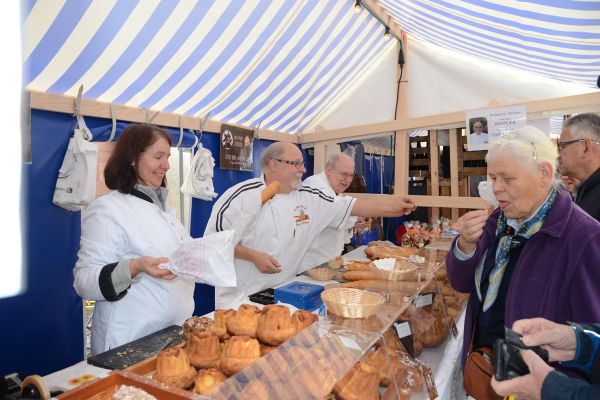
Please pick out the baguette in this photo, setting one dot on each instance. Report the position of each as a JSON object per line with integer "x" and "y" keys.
{"x": 360, "y": 266}
{"x": 361, "y": 275}
{"x": 270, "y": 191}
{"x": 409, "y": 287}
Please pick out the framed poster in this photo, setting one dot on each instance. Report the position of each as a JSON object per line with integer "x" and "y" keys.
{"x": 485, "y": 126}
{"x": 236, "y": 148}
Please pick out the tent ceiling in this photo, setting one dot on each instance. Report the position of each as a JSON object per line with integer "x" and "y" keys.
{"x": 559, "y": 39}
{"x": 282, "y": 64}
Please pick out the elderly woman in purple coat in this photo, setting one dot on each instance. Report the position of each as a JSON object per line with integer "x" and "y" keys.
{"x": 536, "y": 255}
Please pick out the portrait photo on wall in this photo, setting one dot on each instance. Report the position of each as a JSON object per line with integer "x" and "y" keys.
{"x": 477, "y": 137}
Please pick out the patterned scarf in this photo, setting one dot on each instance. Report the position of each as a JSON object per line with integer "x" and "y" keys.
{"x": 508, "y": 240}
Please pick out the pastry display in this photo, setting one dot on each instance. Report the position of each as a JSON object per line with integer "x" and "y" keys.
{"x": 219, "y": 327}
{"x": 302, "y": 319}
{"x": 387, "y": 364}
{"x": 204, "y": 349}
{"x": 208, "y": 380}
{"x": 361, "y": 383}
{"x": 244, "y": 322}
{"x": 275, "y": 325}
{"x": 239, "y": 352}
{"x": 195, "y": 323}
{"x": 173, "y": 368}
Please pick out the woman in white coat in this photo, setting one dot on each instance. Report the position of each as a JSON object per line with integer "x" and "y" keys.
{"x": 125, "y": 236}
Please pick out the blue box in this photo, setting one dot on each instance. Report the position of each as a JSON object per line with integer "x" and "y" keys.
{"x": 306, "y": 296}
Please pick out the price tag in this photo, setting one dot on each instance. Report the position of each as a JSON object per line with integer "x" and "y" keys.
{"x": 402, "y": 329}
{"x": 429, "y": 382}
{"x": 424, "y": 300}
{"x": 453, "y": 328}
{"x": 404, "y": 333}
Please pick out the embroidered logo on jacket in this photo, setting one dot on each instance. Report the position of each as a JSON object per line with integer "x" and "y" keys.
{"x": 301, "y": 215}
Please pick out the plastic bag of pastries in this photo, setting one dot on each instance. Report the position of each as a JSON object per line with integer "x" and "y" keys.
{"x": 239, "y": 352}
{"x": 204, "y": 349}
{"x": 360, "y": 383}
{"x": 208, "y": 381}
{"x": 219, "y": 327}
{"x": 195, "y": 323}
{"x": 275, "y": 325}
{"x": 173, "y": 368}
{"x": 244, "y": 322}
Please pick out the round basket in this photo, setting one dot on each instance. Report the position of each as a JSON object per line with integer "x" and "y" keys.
{"x": 322, "y": 274}
{"x": 402, "y": 271}
{"x": 351, "y": 303}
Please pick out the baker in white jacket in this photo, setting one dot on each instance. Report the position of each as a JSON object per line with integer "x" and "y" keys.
{"x": 125, "y": 235}
{"x": 272, "y": 249}
{"x": 334, "y": 180}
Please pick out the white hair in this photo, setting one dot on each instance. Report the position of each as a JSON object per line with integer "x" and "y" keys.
{"x": 530, "y": 145}
{"x": 333, "y": 159}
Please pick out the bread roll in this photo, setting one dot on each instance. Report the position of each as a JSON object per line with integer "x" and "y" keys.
{"x": 270, "y": 191}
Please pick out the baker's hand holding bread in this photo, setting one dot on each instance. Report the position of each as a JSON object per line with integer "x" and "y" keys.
{"x": 470, "y": 226}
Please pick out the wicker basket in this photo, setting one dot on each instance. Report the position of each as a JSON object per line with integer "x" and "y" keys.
{"x": 351, "y": 303}
{"x": 322, "y": 274}
{"x": 402, "y": 271}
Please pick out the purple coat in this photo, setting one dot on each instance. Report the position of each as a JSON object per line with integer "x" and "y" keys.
{"x": 557, "y": 276}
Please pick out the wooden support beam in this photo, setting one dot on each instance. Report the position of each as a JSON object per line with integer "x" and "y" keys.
{"x": 89, "y": 108}
{"x": 454, "y": 168}
{"x": 401, "y": 155}
{"x": 320, "y": 157}
{"x": 434, "y": 170}
{"x": 588, "y": 102}
{"x": 454, "y": 202}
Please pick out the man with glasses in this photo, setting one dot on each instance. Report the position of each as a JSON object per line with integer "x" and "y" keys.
{"x": 579, "y": 157}
{"x": 271, "y": 250}
{"x": 334, "y": 180}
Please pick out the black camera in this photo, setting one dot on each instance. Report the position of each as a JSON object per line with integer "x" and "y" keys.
{"x": 508, "y": 362}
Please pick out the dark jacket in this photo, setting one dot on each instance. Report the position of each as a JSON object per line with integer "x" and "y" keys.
{"x": 558, "y": 386}
{"x": 556, "y": 276}
{"x": 588, "y": 195}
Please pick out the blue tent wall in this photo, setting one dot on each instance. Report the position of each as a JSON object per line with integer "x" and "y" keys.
{"x": 42, "y": 327}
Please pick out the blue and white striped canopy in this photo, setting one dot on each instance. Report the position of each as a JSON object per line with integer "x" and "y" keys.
{"x": 559, "y": 39}
{"x": 282, "y": 64}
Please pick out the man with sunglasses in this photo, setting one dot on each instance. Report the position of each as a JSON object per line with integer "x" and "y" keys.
{"x": 579, "y": 157}
{"x": 334, "y": 180}
{"x": 271, "y": 250}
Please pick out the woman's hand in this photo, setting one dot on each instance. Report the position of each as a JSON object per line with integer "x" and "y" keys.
{"x": 149, "y": 265}
{"x": 470, "y": 226}
{"x": 558, "y": 339}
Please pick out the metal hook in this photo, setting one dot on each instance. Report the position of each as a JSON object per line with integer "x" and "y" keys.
{"x": 149, "y": 116}
{"x": 180, "y": 131}
{"x": 256, "y": 130}
{"x": 202, "y": 124}
{"x": 85, "y": 131}
{"x": 113, "y": 115}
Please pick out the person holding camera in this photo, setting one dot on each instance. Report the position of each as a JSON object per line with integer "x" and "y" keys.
{"x": 573, "y": 345}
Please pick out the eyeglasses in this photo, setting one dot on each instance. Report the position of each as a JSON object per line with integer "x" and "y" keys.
{"x": 346, "y": 175}
{"x": 298, "y": 164}
{"x": 562, "y": 145}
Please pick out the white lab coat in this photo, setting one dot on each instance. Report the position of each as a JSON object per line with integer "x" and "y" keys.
{"x": 117, "y": 227}
{"x": 284, "y": 228}
{"x": 329, "y": 243}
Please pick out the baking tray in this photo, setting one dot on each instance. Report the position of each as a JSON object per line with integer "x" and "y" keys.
{"x": 132, "y": 353}
{"x": 103, "y": 389}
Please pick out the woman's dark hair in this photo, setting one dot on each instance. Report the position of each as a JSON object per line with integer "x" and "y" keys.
{"x": 120, "y": 172}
